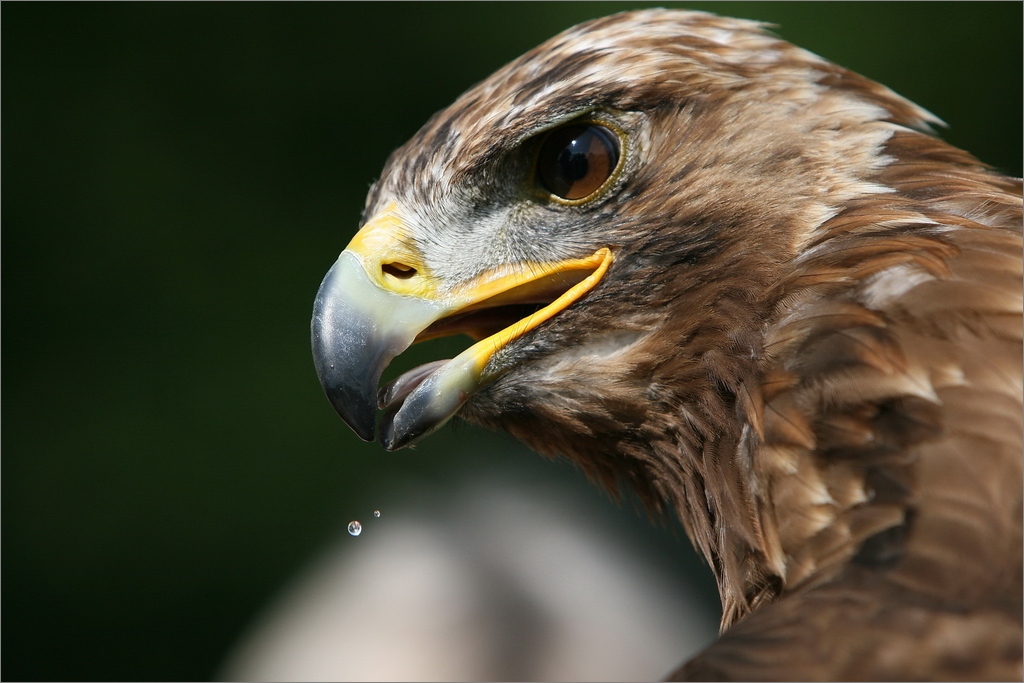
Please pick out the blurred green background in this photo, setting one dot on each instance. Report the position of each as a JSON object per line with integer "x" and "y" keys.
{"x": 177, "y": 178}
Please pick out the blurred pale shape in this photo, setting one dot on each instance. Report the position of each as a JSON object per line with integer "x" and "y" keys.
{"x": 501, "y": 587}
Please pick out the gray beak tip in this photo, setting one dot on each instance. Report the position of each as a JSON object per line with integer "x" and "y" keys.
{"x": 347, "y": 392}
{"x": 357, "y": 414}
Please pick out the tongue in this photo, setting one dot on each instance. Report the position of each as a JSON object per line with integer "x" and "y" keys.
{"x": 394, "y": 392}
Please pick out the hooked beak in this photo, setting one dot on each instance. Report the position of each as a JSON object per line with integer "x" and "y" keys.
{"x": 380, "y": 297}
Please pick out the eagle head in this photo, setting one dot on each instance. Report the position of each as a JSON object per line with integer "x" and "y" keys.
{"x": 698, "y": 260}
{"x": 633, "y": 182}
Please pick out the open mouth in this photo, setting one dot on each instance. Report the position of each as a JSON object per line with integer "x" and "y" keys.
{"x": 373, "y": 305}
{"x": 480, "y": 324}
{"x": 480, "y": 321}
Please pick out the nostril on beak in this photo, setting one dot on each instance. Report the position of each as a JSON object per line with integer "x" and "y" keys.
{"x": 399, "y": 270}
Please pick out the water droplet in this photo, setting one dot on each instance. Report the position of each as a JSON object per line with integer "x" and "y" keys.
{"x": 355, "y": 528}
{"x": 376, "y": 513}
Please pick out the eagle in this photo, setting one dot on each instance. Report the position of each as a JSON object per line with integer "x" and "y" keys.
{"x": 749, "y": 285}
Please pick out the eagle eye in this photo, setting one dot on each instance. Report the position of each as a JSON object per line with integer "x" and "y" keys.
{"x": 575, "y": 161}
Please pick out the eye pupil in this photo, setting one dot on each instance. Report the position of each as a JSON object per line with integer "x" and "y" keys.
{"x": 576, "y": 160}
{"x": 572, "y": 162}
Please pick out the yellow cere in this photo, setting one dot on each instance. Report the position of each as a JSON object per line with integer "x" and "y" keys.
{"x": 384, "y": 244}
